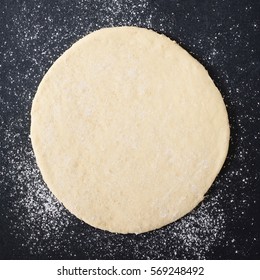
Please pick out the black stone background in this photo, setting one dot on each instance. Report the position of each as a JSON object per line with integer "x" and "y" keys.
{"x": 222, "y": 34}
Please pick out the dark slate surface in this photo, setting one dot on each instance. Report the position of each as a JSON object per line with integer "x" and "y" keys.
{"x": 223, "y": 35}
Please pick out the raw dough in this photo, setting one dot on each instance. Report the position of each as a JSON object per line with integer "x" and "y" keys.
{"x": 128, "y": 130}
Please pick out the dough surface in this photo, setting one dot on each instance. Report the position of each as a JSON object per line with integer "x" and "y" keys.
{"x": 128, "y": 129}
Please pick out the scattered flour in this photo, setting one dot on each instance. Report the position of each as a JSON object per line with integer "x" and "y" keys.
{"x": 38, "y": 33}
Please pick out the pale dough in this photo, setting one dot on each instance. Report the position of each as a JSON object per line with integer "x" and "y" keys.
{"x": 129, "y": 130}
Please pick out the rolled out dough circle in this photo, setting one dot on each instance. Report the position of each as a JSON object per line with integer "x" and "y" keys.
{"x": 128, "y": 130}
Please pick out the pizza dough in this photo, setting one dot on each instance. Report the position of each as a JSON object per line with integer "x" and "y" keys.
{"x": 128, "y": 130}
